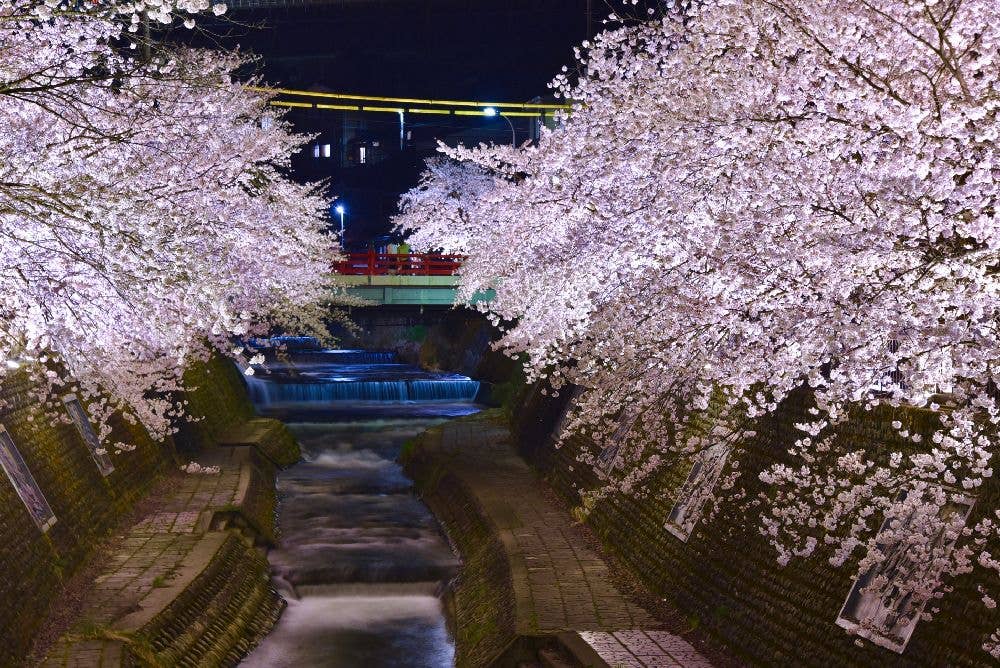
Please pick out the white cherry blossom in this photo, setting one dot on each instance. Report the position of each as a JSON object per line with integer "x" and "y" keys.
{"x": 145, "y": 211}
{"x": 752, "y": 197}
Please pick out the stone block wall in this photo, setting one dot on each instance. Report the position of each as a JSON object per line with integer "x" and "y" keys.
{"x": 87, "y": 506}
{"x": 480, "y": 602}
{"x": 259, "y": 507}
{"x": 217, "y": 396}
{"x": 726, "y": 580}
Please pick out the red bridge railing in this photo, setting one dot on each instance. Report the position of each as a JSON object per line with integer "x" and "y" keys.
{"x": 398, "y": 264}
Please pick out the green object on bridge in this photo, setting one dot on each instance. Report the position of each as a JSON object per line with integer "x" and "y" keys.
{"x": 407, "y": 290}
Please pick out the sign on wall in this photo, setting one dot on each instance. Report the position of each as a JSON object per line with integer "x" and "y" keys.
{"x": 697, "y": 490}
{"x": 24, "y": 483}
{"x": 884, "y": 605}
{"x": 609, "y": 457}
{"x": 82, "y": 422}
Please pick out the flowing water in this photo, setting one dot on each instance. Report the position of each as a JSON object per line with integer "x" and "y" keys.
{"x": 360, "y": 560}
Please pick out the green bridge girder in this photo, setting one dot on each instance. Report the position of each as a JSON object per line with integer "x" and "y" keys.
{"x": 406, "y": 290}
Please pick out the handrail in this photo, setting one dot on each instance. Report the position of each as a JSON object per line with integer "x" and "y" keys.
{"x": 398, "y": 264}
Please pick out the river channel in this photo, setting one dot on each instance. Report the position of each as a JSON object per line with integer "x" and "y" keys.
{"x": 361, "y": 560}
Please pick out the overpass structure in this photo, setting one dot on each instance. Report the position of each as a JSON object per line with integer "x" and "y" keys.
{"x": 402, "y": 279}
{"x": 307, "y": 99}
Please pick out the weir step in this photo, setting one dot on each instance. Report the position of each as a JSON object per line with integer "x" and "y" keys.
{"x": 229, "y": 603}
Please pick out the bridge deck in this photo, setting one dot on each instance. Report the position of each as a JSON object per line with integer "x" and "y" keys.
{"x": 402, "y": 279}
{"x": 402, "y": 290}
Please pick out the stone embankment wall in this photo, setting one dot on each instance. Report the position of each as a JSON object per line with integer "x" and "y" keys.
{"x": 481, "y": 601}
{"x": 455, "y": 340}
{"x": 88, "y": 506}
{"x": 725, "y": 578}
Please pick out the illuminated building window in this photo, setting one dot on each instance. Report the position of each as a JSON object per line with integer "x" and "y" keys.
{"x": 24, "y": 483}
{"x": 86, "y": 430}
{"x": 326, "y": 151}
{"x": 315, "y": 150}
{"x": 692, "y": 496}
{"x": 885, "y": 603}
{"x": 362, "y": 155}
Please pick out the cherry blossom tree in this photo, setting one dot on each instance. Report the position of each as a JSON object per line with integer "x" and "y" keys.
{"x": 145, "y": 209}
{"x": 752, "y": 197}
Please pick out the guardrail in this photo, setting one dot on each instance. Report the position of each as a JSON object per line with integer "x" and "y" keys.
{"x": 398, "y": 264}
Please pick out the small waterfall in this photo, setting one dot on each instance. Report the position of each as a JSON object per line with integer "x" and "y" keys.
{"x": 311, "y": 375}
{"x": 360, "y": 559}
{"x": 443, "y": 390}
{"x": 259, "y": 390}
{"x": 288, "y": 342}
{"x": 264, "y": 392}
{"x": 306, "y": 349}
{"x": 346, "y": 357}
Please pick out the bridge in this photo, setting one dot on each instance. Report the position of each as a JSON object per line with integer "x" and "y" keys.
{"x": 307, "y": 99}
{"x": 402, "y": 279}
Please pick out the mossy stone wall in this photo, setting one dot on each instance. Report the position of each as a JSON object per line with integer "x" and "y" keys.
{"x": 217, "y": 397}
{"x": 726, "y": 579}
{"x": 87, "y": 506}
{"x": 480, "y": 602}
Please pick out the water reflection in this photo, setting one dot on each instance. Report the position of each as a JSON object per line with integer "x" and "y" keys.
{"x": 356, "y": 630}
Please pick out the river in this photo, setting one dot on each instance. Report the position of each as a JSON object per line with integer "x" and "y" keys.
{"x": 360, "y": 559}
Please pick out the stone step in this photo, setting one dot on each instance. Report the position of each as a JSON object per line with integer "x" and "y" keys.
{"x": 212, "y": 615}
{"x": 188, "y": 584}
{"x": 576, "y": 652}
{"x": 270, "y": 437}
{"x": 223, "y": 612}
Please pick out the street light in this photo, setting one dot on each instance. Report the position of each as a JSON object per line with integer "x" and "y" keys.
{"x": 340, "y": 210}
{"x": 491, "y": 112}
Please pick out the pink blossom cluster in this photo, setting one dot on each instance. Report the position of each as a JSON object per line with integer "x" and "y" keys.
{"x": 750, "y": 197}
{"x": 145, "y": 213}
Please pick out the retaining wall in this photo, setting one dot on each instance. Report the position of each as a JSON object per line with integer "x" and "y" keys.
{"x": 725, "y": 577}
{"x": 87, "y": 506}
{"x": 480, "y": 602}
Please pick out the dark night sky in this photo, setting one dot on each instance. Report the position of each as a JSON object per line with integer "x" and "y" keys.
{"x": 422, "y": 48}
{"x": 501, "y": 50}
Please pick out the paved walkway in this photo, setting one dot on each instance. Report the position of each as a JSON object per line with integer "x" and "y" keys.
{"x": 560, "y": 584}
{"x": 158, "y": 557}
{"x": 643, "y": 649}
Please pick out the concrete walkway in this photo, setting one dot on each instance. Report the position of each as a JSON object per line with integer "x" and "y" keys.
{"x": 560, "y": 584}
{"x": 151, "y": 565}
